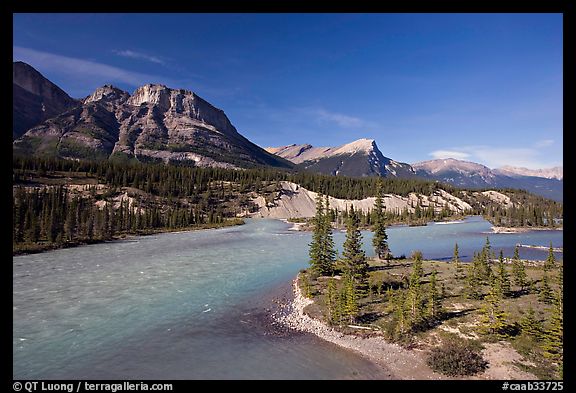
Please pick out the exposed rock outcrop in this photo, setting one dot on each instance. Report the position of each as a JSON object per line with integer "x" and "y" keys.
{"x": 34, "y": 98}
{"x": 294, "y": 201}
{"x": 156, "y": 123}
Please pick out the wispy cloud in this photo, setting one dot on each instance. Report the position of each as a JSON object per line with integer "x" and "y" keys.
{"x": 139, "y": 56}
{"x": 544, "y": 143}
{"x": 85, "y": 69}
{"x": 459, "y": 155}
{"x": 321, "y": 115}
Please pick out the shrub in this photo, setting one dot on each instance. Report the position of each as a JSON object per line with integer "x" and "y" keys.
{"x": 457, "y": 357}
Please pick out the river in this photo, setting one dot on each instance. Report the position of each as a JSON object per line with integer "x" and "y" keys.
{"x": 192, "y": 305}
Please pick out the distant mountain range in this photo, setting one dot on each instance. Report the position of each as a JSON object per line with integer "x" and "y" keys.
{"x": 155, "y": 123}
{"x": 357, "y": 159}
{"x": 556, "y": 172}
{"x": 472, "y": 175}
{"x": 160, "y": 124}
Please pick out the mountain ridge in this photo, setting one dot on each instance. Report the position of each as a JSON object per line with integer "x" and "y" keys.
{"x": 358, "y": 158}
{"x": 472, "y": 175}
{"x": 154, "y": 124}
{"x": 35, "y": 98}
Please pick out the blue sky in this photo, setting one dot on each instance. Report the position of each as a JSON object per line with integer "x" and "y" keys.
{"x": 486, "y": 88}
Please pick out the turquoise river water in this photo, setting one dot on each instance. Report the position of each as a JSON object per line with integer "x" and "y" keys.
{"x": 192, "y": 305}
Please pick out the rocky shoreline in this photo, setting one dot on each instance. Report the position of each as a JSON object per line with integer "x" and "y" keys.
{"x": 395, "y": 361}
{"x": 288, "y": 317}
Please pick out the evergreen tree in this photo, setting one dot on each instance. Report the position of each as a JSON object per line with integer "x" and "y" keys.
{"x": 380, "y": 238}
{"x": 530, "y": 325}
{"x": 545, "y": 293}
{"x": 321, "y": 249}
{"x": 456, "y": 261}
{"x": 484, "y": 270}
{"x": 493, "y": 318}
{"x": 434, "y": 300}
{"x": 417, "y": 263}
{"x": 400, "y": 317}
{"x": 353, "y": 255}
{"x": 553, "y": 336}
{"x": 551, "y": 260}
{"x": 414, "y": 297}
{"x": 472, "y": 283}
{"x": 351, "y": 305}
{"x": 332, "y": 302}
{"x": 518, "y": 270}
{"x": 503, "y": 279}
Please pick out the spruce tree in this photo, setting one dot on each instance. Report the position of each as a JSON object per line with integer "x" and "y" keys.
{"x": 331, "y": 301}
{"x": 434, "y": 299}
{"x": 472, "y": 283}
{"x": 531, "y": 325}
{"x": 380, "y": 238}
{"x": 353, "y": 255}
{"x": 414, "y": 298}
{"x": 503, "y": 279}
{"x": 417, "y": 263}
{"x": 553, "y": 335}
{"x": 457, "y": 263}
{"x": 545, "y": 293}
{"x": 351, "y": 305}
{"x": 493, "y": 318}
{"x": 551, "y": 260}
{"x": 518, "y": 270}
{"x": 321, "y": 249}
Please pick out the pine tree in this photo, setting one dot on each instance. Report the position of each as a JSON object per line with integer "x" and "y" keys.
{"x": 493, "y": 318}
{"x": 414, "y": 298}
{"x": 485, "y": 271}
{"x": 332, "y": 301}
{"x": 400, "y": 318}
{"x": 457, "y": 263}
{"x": 472, "y": 283}
{"x": 353, "y": 255}
{"x": 434, "y": 299}
{"x": 531, "y": 325}
{"x": 322, "y": 253}
{"x": 351, "y": 307}
{"x": 518, "y": 270}
{"x": 503, "y": 279}
{"x": 417, "y": 264}
{"x": 553, "y": 335}
{"x": 545, "y": 293}
{"x": 380, "y": 238}
{"x": 551, "y": 260}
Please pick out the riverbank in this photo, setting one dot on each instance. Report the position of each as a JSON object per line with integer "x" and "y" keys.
{"x": 395, "y": 361}
{"x": 35, "y": 248}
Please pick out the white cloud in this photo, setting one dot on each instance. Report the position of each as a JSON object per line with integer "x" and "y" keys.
{"x": 344, "y": 121}
{"x": 459, "y": 155}
{"x": 544, "y": 143}
{"x": 139, "y": 55}
{"x": 84, "y": 69}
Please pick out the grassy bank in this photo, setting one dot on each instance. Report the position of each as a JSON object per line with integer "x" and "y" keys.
{"x": 522, "y": 341}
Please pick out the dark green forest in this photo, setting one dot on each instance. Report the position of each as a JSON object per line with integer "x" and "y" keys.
{"x": 111, "y": 199}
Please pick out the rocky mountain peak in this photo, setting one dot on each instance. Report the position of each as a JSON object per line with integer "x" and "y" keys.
{"x": 154, "y": 94}
{"x": 363, "y": 145}
{"x": 107, "y": 93}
